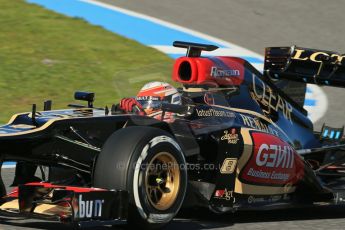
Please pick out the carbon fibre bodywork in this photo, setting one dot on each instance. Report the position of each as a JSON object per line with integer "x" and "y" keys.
{"x": 247, "y": 143}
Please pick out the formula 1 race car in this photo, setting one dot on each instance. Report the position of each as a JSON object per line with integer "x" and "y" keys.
{"x": 241, "y": 140}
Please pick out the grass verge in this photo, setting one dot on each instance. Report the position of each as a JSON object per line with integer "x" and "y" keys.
{"x": 45, "y": 55}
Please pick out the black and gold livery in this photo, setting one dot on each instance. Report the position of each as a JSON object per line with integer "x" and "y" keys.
{"x": 241, "y": 140}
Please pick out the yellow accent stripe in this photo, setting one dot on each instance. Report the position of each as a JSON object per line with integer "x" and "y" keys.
{"x": 48, "y": 123}
{"x": 262, "y": 190}
{"x": 14, "y": 117}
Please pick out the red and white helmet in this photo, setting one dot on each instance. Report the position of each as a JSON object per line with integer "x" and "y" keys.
{"x": 153, "y": 94}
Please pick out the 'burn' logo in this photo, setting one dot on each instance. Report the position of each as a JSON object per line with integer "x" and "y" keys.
{"x": 90, "y": 208}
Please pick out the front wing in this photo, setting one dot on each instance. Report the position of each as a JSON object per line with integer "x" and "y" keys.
{"x": 78, "y": 206}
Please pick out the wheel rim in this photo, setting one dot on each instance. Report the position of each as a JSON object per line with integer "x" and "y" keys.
{"x": 162, "y": 181}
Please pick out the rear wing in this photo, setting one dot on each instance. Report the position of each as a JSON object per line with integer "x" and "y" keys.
{"x": 305, "y": 65}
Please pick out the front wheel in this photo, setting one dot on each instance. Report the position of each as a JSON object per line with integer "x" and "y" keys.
{"x": 150, "y": 164}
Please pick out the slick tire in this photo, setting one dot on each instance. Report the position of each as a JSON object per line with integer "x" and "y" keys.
{"x": 150, "y": 165}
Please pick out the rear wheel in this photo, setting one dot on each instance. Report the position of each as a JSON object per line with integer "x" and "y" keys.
{"x": 149, "y": 164}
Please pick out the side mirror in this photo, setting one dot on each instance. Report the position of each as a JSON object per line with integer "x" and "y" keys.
{"x": 85, "y": 96}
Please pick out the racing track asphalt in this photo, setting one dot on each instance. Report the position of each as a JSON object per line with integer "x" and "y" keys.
{"x": 256, "y": 24}
{"x": 252, "y": 24}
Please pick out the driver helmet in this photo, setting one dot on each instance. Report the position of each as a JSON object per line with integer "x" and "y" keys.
{"x": 152, "y": 95}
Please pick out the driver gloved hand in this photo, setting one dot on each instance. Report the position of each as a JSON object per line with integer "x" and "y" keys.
{"x": 130, "y": 105}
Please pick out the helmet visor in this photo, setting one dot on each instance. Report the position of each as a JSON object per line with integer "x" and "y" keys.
{"x": 150, "y": 102}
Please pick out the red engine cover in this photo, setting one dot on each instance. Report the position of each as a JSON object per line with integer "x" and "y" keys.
{"x": 214, "y": 71}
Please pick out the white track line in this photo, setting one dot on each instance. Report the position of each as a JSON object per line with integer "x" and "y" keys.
{"x": 315, "y": 112}
{"x": 244, "y": 51}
